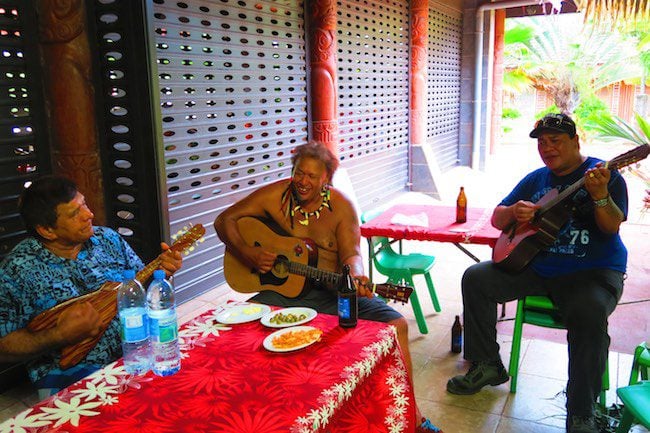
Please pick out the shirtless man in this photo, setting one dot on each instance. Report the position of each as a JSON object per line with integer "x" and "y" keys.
{"x": 307, "y": 206}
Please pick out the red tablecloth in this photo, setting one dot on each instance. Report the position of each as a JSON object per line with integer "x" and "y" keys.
{"x": 353, "y": 380}
{"x": 440, "y": 226}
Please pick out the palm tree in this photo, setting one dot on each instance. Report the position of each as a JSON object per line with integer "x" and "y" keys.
{"x": 614, "y": 128}
{"x": 552, "y": 54}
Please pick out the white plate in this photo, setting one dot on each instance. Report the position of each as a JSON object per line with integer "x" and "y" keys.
{"x": 242, "y": 313}
{"x": 268, "y": 341}
{"x": 310, "y": 313}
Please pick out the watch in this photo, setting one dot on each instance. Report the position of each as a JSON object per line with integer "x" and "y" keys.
{"x": 602, "y": 202}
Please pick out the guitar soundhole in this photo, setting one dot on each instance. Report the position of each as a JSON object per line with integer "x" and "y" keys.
{"x": 281, "y": 267}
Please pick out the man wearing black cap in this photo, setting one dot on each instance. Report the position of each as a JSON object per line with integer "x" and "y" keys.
{"x": 582, "y": 271}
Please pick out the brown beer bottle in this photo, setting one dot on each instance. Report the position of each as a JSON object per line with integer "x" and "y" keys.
{"x": 347, "y": 300}
{"x": 461, "y": 206}
{"x": 456, "y": 336}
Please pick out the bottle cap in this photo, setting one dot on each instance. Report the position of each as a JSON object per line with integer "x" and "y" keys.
{"x": 128, "y": 274}
{"x": 158, "y": 274}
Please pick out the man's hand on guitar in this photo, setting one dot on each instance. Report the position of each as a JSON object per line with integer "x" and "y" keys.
{"x": 364, "y": 286}
{"x": 261, "y": 259}
{"x": 76, "y": 323}
{"x": 170, "y": 261}
{"x": 596, "y": 180}
{"x": 524, "y": 211}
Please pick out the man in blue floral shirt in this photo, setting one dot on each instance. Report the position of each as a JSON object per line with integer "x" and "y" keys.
{"x": 66, "y": 257}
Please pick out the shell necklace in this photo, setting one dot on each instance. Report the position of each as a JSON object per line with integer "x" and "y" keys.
{"x": 306, "y": 215}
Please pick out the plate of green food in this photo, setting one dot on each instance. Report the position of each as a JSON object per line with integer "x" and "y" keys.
{"x": 287, "y": 317}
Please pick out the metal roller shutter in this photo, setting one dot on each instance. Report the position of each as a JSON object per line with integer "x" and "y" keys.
{"x": 232, "y": 98}
{"x": 24, "y": 145}
{"x": 443, "y": 101}
{"x": 373, "y": 45}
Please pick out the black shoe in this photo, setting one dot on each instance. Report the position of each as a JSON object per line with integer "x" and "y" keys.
{"x": 581, "y": 424}
{"x": 479, "y": 375}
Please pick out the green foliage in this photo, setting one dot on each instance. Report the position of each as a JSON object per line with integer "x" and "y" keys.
{"x": 510, "y": 113}
{"x": 590, "y": 107}
{"x": 565, "y": 60}
{"x": 548, "y": 110}
{"x": 609, "y": 127}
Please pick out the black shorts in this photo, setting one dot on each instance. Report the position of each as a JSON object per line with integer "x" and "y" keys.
{"x": 326, "y": 302}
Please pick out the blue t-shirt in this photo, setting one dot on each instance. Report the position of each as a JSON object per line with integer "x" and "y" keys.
{"x": 35, "y": 280}
{"x": 580, "y": 244}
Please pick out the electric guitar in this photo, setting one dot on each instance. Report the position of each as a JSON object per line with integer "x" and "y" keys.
{"x": 104, "y": 300}
{"x": 294, "y": 269}
{"x": 520, "y": 242}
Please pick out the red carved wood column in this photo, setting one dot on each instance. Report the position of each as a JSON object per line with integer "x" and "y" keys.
{"x": 69, "y": 95}
{"x": 418, "y": 72}
{"x": 322, "y": 72}
{"x": 497, "y": 80}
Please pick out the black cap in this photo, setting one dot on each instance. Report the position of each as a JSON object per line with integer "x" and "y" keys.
{"x": 554, "y": 123}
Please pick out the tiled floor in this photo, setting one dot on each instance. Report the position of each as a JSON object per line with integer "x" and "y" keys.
{"x": 538, "y": 405}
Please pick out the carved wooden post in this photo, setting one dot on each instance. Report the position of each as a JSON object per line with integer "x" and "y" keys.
{"x": 69, "y": 95}
{"x": 322, "y": 69}
{"x": 418, "y": 100}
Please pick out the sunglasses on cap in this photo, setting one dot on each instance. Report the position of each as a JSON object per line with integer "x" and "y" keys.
{"x": 555, "y": 122}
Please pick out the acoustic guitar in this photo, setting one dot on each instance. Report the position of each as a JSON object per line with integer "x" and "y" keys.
{"x": 294, "y": 269}
{"x": 520, "y": 242}
{"x": 104, "y": 300}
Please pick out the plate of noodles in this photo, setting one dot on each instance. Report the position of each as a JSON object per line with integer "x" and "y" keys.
{"x": 294, "y": 338}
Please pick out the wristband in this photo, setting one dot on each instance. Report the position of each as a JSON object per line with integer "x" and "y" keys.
{"x": 602, "y": 202}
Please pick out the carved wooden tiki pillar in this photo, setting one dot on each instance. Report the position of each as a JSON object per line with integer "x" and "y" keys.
{"x": 322, "y": 70}
{"x": 418, "y": 99}
{"x": 69, "y": 95}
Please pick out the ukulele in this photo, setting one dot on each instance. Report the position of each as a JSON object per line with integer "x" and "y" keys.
{"x": 294, "y": 269}
{"x": 104, "y": 300}
{"x": 520, "y": 242}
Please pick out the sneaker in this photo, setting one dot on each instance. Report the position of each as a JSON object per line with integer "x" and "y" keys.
{"x": 581, "y": 424}
{"x": 479, "y": 375}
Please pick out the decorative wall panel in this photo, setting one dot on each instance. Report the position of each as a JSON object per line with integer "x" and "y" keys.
{"x": 24, "y": 145}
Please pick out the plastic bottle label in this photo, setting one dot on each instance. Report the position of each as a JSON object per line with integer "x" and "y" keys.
{"x": 344, "y": 308}
{"x": 164, "y": 330}
{"x": 134, "y": 328}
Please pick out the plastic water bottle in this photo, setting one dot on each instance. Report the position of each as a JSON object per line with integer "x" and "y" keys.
{"x": 161, "y": 308}
{"x": 134, "y": 329}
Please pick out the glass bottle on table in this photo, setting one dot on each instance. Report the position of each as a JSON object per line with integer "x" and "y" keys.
{"x": 461, "y": 206}
{"x": 347, "y": 300}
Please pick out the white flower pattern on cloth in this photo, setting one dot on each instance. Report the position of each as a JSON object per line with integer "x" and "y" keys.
{"x": 98, "y": 389}
{"x": 23, "y": 421}
{"x": 338, "y": 393}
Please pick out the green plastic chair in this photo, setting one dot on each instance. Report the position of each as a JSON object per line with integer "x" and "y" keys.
{"x": 640, "y": 363}
{"x": 636, "y": 405}
{"x": 400, "y": 269}
{"x": 540, "y": 311}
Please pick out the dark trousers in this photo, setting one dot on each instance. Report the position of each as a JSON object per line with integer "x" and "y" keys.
{"x": 585, "y": 300}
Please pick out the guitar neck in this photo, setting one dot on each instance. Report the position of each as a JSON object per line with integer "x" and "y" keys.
{"x": 564, "y": 195}
{"x": 570, "y": 190}
{"x": 147, "y": 271}
{"x": 313, "y": 273}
